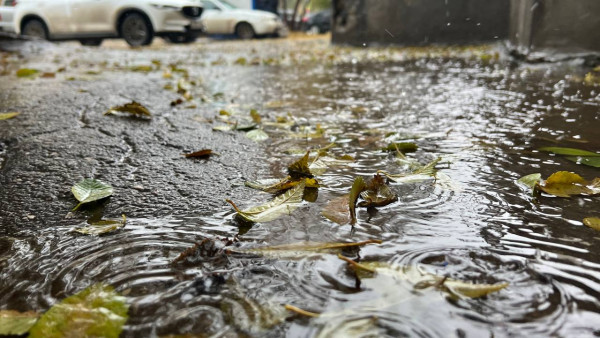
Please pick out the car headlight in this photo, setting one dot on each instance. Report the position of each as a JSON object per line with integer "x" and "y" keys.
{"x": 165, "y": 7}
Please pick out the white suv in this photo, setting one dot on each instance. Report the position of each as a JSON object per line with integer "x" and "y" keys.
{"x": 90, "y": 21}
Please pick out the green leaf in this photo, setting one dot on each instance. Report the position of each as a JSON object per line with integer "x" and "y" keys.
{"x": 592, "y": 161}
{"x": 257, "y": 135}
{"x": 300, "y": 169}
{"x": 281, "y": 205}
{"x": 27, "y": 72}
{"x": 592, "y": 222}
{"x": 255, "y": 116}
{"x": 567, "y": 184}
{"x": 404, "y": 147}
{"x": 133, "y": 108}
{"x": 141, "y": 68}
{"x": 421, "y": 174}
{"x": 102, "y": 226}
{"x": 317, "y": 167}
{"x": 6, "y": 116}
{"x": 569, "y": 151}
{"x": 16, "y": 323}
{"x": 97, "y": 311}
{"x": 90, "y": 190}
{"x": 530, "y": 181}
{"x": 357, "y": 187}
{"x": 274, "y": 186}
{"x": 377, "y": 193}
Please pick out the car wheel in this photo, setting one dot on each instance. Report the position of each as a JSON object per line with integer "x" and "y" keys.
{"x": 35, "y": 28}
{"x": 244, "y": 31}
{"x": 136, "y": 30}
{"x": 91, "y": 42}
{"x": 180, "y": 38}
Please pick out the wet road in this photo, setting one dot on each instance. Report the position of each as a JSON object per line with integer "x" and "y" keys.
{"x": 482, "y": 113}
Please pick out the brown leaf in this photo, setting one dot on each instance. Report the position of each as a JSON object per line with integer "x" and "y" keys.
{"x": 377, "y": 193}
{"x": 201, "y": 153}
{"x": 207, "y": 250}
{"x": 337, "y": 210}
{"x": 299, "y": 169}
{"x": 567, "y": 184}
{"x": 133, "y": 108}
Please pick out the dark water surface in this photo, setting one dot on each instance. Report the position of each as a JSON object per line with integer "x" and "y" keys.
{"x": 484, "y": 118}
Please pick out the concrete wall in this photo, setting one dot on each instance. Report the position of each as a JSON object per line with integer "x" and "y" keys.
{"x": 555, "y": 26}
{"x": 419, "y": 22}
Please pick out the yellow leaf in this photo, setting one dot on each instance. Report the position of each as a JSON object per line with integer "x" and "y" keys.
{"x": 566, "y": 184}
{"x": 592, "y": 222}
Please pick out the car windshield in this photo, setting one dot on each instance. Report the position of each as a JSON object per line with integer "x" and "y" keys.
{"x": 227, "y": 4}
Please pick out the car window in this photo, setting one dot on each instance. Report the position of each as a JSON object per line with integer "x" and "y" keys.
{"x": 227, "y": 4}
{"x": 7, "y": 3}
{"x": 209, "y": 5}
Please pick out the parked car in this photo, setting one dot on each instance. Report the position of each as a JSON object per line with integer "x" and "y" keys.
{"x": 319, "y": 22}
{"x": 90, "y": 21}
{"x": 7, "y": 11}
{"x": 221, "y": 17}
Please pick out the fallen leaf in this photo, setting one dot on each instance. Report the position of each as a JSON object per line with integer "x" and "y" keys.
{"x": 16, "y": 323}
{"x": 530, "y": 181}
{"x": 576, "y": 155}
{"x": 207, "y": 249}
{"x": 404, "y": 147}
{"x": 241, "y": 61}
{"x": 48, "y": 75}
{"x": 297, "y": 249}
{"x": 27, "y": 72}
{"x": 201, "y": 153}
{"x": 132, "y": 108}
{"x": 255, "y": 116}
{"x": 377, "y": 193}
{"x": 90, "y": 190}
{"x": 300, "y": 169}
{"x": 421, "y": 174}
{"x": 102, "y": 226}
{"x": 275, "y": 186}
{"x": 567, "y": 184}
{"x": 357, "y": 187}
{"x": 257, "y": 135}
{"x": 317, "y": 167}
{"x": 337, "y": 210}
{"x": 97, "y": 311}
{"x": 281, "y": 205}
{"x": 592, "y": 222}
{"x": 6, "y": 116}
{"x": 141, "y": 68}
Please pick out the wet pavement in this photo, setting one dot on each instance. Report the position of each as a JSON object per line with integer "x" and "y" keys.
{"x": 484, "y": 114}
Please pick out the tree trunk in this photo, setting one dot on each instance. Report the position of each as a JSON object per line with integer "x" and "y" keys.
{"x": 295, "y": 13}
{"x": 285, "y": 14}
{"x": 303, "y": 14}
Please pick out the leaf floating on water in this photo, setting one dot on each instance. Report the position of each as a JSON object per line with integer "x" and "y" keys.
{"x": 141, "y": 68}
{"x": 404, "y": 147}
{"x": 133, "y": 108}
{"x": 204, "y": 153}
{"x": 357, "y": 187}
{"x": 424, "y": 280}
{"x": 300, "y": 169}
{"x": 275, "y": 186}
{"x": 377, "y": 193}
{"x": 337, "y": 210}
{"x": 567, "y": 184}
{"x": 576, "y": 155}
{"x": 103, "y": 226}
{"x": 257, "y": 135}
{"x": 90, "y": 190}
{"x": 421, "y": 174}
{"x": 255, "y": 116}
{"x": 317, "y": 167}
{"x": 281, "y": 205}
{"x": 6, "y": 116}
{"x": 16, "y": 323}
{"x": 27, "y": 72}
{"x": 530, "y": 181}
{"x": 97, "y": 311}
{"x": 592, "y": 222}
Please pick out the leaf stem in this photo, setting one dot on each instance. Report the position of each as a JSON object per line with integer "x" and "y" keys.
{"x": 233, "y": 205}
{"x": 354, "y": 264}
{"x": 300, "y": 311}
{"x": 77, "y": 206}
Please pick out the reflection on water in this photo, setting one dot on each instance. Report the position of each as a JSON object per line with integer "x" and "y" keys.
{"x": 486, "y": 122}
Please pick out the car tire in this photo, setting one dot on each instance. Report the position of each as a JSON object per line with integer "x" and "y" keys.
{"x": 180, "y": 38}
{"x": 244, "y": 31}
{"x": 91, "y": 42}
{"x": 136, "y": 30}
{"x": 35, "y": 28}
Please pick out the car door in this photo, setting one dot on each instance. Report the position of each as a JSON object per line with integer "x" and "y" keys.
{"x": 214, "y": 19}
{"x": 91, "y": 16}
{"x": 7, "y": 11}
